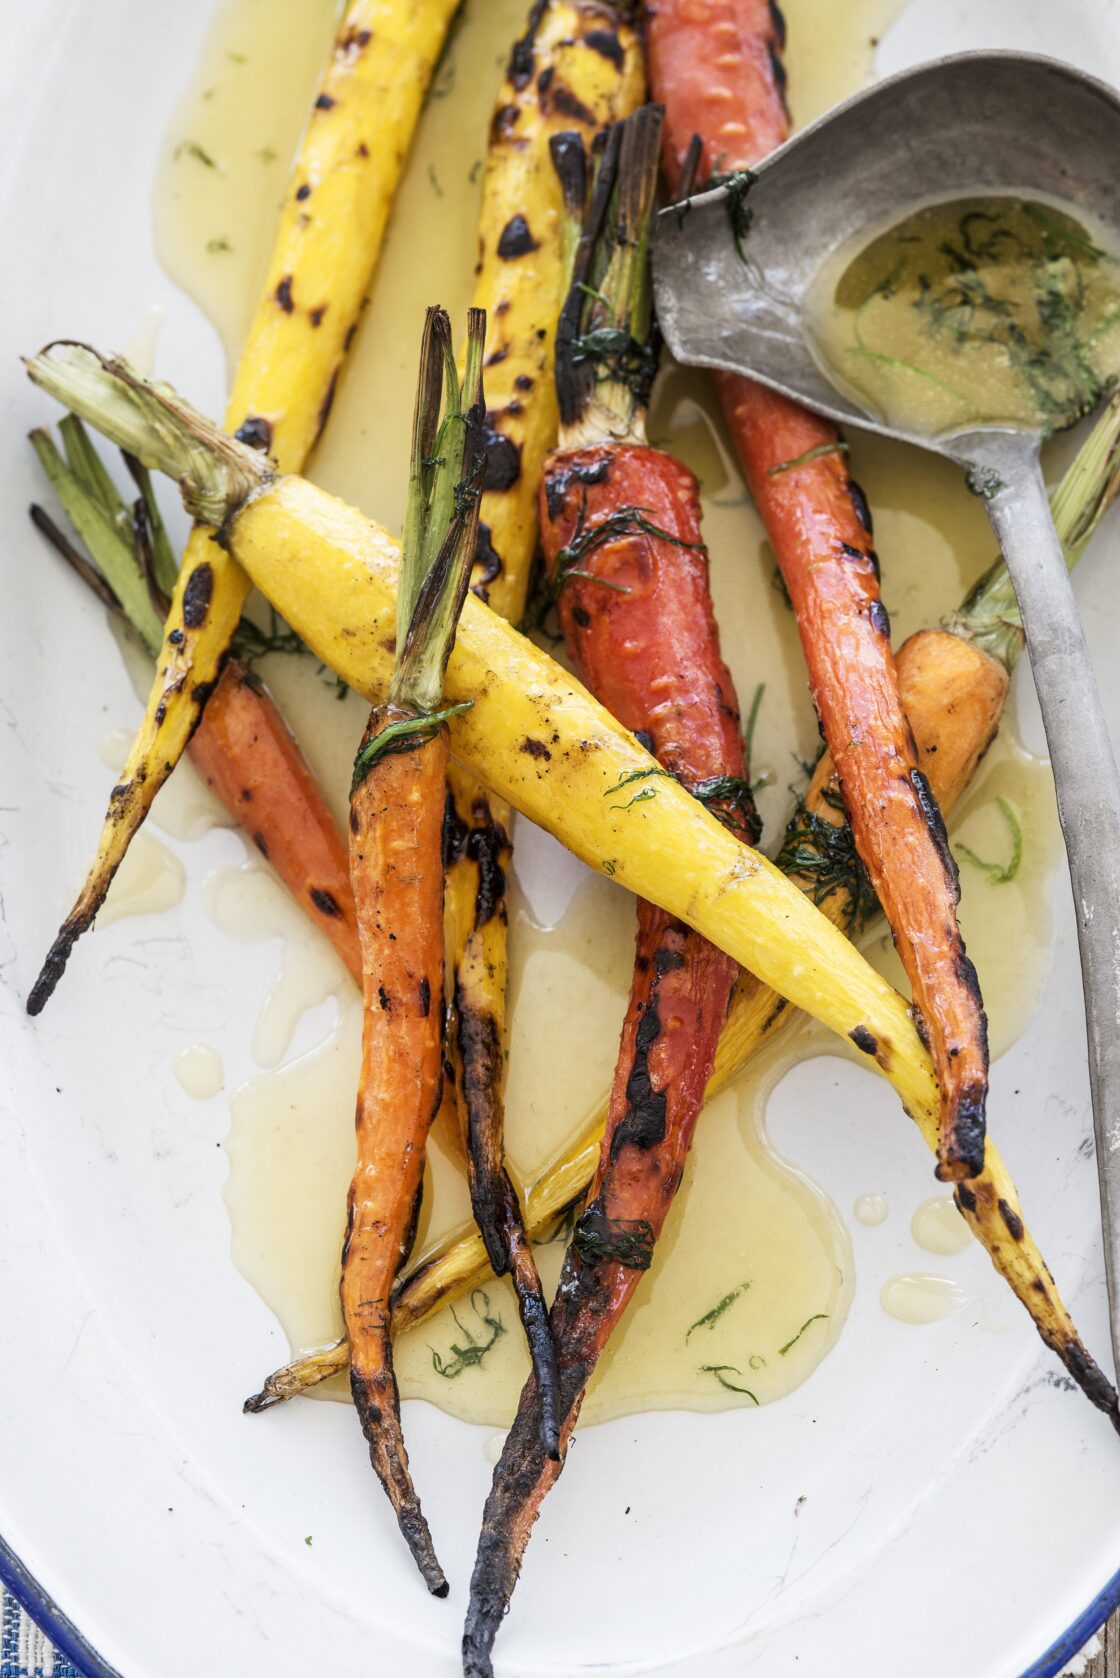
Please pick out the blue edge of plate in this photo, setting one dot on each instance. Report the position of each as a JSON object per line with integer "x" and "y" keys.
{"x": 68, "y": 1640}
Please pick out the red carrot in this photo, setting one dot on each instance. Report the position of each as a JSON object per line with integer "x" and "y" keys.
{"x": 820, "y": 528}
{"x": 620, "y": 526}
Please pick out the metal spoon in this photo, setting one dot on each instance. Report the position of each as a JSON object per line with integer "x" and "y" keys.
{"x": 976, "y": 123}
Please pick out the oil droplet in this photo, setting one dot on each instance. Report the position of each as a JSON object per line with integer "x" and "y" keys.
{"x": 113, "y": 747}
{"x": 199, "y": 1070}
{"x": 139, "y": 350}
{"x": 939, "y": 1228}
{"x": 492, "y": 1447}
{"x": 918, "y": 1298}
{"x": 871, "y": 1210}
{"x": 249, "y": 904}
{"x": 150, "y": 879}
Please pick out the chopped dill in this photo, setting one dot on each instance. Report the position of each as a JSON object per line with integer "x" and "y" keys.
{"x": 817, "y": 1317}
{"x": 803, "y": 459}
{"x": 731, "y": 800}
{"x": 635, "y": 775}
{"x": 983, "y": 481}
{"x": 721, "y": 1371}
{"x": 711, "y": 1318}
{"x": 823, "y": 854}
{"x": 778, "y": 584}
{"x": 470, "y": 1355}
{"x": 403, "y": 736}
{"x": 1001, "y": 873}
{"x": 216, "y": 245}
{"x": 623, "y": 521}
{"x": 267, "y": 154}
{"x": 752, "y": 718}
{"x": 626, "y": 1241}
{"x": 191, "y": 148}
{"x": 434, "y": 179}
{"x": 739, "y": 213}
{"x": 251, "y": 641}
{"x": 617, "y": 357}
{"x": 642, "y": 797}
{"x": 609, "y": 866}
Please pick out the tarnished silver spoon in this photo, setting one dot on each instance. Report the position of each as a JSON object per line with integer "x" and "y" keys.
{"x": 975, "y": 124}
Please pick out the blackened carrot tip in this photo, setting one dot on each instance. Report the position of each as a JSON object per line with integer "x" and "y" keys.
{"x": 484, "y": 1616}
{"x": 414, "y": 1529}
{"x": 54, "y": 966}
{"x": 257, "y": 1403}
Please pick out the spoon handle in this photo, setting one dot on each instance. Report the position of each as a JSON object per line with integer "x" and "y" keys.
{"x": 1088, "y": 792}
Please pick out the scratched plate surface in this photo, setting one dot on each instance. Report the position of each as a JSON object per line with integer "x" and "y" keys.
{"x": 936, "y": 1492}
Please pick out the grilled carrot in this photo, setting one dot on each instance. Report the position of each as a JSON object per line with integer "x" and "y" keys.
{"x": 730, "y": 95}
{"x": 327, "y": 245}
{"x": 577, "y": 65}
{"x": 396, "y": 865}
{"x": 954, "y": 683}
{"x": 620, "y": 526}
{"x": 242, "y": 747}
{"x": 533, "y": 734}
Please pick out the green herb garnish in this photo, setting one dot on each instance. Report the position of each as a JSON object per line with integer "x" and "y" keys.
{"x": 1001, "y": 873}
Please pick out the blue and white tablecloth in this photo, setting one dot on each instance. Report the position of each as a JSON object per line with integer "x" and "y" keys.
{"x": 24, "y": 1651}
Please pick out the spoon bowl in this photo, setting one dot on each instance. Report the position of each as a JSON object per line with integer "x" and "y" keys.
{"x": 974, "y": 124}
{"x": 733, "y": 268}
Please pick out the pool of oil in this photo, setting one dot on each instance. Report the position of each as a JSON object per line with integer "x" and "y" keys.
{"x": 754, "y": 1273}
{"x": 985, "y": 311}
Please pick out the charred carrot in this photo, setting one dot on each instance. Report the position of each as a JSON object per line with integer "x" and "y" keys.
{"x": 396, "y": 865}
{"x": 620, "y": 526}
{"x": 718, "y": 69}
{"x": 955, "y": 680}
{"x": 577, "y": 65}
{"x": 242, "y": 747}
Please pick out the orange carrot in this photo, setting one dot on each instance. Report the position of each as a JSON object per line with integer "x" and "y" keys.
{"x": 396, "y": 866}
{"x": 818, "y": 523}
{"x": 249, "y": 758}
{"x": 396, "y": 817}
{"x": 242, "y": 747}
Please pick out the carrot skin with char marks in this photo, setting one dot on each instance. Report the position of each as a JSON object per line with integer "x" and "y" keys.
{"x": 716, "y": 67}
{"x": 818, "y": 523}
{"x": 639, "y": 624}
{"x": 249, "y": 758}
{"x": 396, "y": 866}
